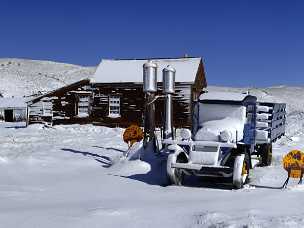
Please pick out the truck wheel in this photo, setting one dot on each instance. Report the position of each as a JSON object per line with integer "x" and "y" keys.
{"x": 266, "y": 154}
{"x": 176, "y": 176}
{"x": 179, "y": 177}
{"x": 241, "y": 170}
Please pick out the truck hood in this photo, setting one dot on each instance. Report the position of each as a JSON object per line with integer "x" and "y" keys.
{"x": 211, "y": 130}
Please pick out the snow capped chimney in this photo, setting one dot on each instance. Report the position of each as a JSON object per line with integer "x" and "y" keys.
{"x": 168, "y": 80}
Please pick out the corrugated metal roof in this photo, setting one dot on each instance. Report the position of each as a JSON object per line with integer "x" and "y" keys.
{"x": 115, "y": 71}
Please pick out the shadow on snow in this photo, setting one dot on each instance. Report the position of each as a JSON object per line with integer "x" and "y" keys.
{"x": 106, "y": 161}
{"x": 157, "y": 174}
{"x": 110, "y": 148}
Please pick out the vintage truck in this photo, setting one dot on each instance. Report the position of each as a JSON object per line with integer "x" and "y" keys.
{"x": 228, "y": 130}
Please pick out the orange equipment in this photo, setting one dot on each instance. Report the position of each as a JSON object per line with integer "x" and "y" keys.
{"x": 133, "y": 134}
{"x": 293, "y": 163}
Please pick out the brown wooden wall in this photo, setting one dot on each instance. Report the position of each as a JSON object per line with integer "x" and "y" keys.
{"x": 132, "y": 104}
{"x": 131, "y": 100}
{"x": 61, "y": 102}
{"x": 64, "y": 102}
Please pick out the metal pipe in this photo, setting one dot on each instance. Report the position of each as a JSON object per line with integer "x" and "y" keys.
{"x": 149, "y": 88}
{"x": 168, "y": 133}
{"x": 168, "y": 90}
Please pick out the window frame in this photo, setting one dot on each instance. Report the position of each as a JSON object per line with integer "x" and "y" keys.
{"x": 83, "y": 105}
{"x": 114, "y": 106}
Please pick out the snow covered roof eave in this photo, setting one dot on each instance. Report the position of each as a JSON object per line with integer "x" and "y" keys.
{"x": 33, "y": 100}
{"x": 223, "y": 96}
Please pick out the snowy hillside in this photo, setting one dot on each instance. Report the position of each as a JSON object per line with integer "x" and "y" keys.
{"x": 71, "y": 176}
{"x": 20, "y": 77}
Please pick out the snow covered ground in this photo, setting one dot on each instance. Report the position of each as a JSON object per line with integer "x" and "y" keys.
{"x": 63, "y": 177}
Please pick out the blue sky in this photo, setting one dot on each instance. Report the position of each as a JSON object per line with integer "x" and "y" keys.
{"x": 243, "y": 43}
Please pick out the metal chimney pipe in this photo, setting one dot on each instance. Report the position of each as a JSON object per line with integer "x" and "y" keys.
{"x": 149, "y": 88}
{"x": 168, "y": 90}
{"x": 150, "y": 77}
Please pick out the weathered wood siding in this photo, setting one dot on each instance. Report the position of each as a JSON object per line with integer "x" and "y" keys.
{"x": 59, "y": 106}
{"x": 181, "y": 106}
{"x": 40, "y": 111}
{"x": 132, "y": 104}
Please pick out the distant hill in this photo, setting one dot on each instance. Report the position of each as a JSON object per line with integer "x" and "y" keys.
{"x": 20, "y": 77}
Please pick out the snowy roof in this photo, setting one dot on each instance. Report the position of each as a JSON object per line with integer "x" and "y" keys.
{"x": 132, "y": 70}
{"x": 12, "y": 102}
{"x": 65, "y": 88}
{"x": 223, "y": 96}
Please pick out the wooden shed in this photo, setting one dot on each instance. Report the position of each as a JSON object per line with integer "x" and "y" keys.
{"x": 114, "y": 96}
{"x": 69, "y": 104}
{"x": 12, "y": 109}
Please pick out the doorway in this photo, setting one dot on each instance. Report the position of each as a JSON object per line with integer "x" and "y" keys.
{"x": 9, "y": 115}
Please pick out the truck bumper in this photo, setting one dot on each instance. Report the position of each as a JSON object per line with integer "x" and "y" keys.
{"x": 203, "y": 170}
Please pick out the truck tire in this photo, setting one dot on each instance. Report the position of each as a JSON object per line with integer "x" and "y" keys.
{"x": 176, "y": 176}
{"x": 241, "y": 170}
{"x": 179, "y": 177}
{"x": 266, "y": 154}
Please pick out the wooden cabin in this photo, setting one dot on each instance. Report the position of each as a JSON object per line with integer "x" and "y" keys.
{"x": 118, "y": 93}
{"x": 66, "y": 105}
{"x": 12, "y": 109}
{"x": 114, "y": 96}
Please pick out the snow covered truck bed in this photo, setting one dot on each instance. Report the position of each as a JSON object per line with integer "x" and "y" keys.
{"x": 243, "y": 115}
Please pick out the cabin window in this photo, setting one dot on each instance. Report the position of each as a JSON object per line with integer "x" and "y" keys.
{"x": 114, "y": 106}
{"x": 83, "y": 106}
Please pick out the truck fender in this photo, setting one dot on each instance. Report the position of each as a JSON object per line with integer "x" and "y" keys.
{"x": 172, "y": 158}
{"x": 237, "y": 171}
